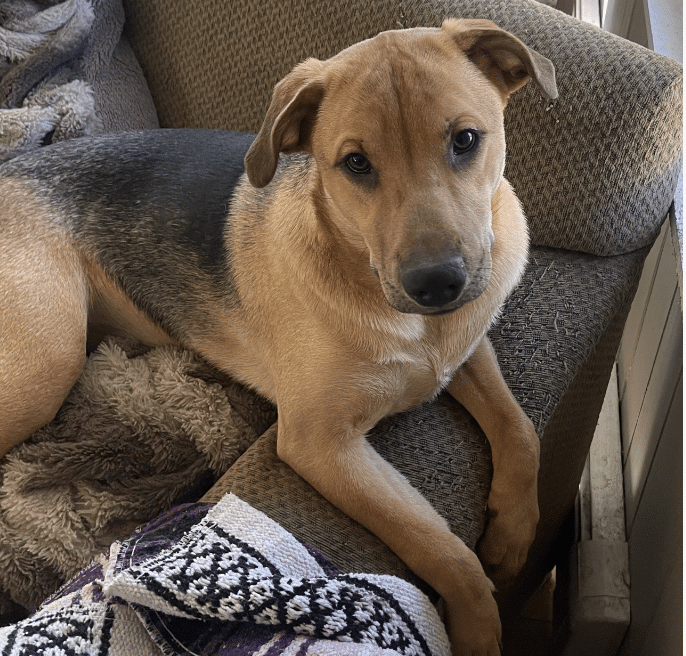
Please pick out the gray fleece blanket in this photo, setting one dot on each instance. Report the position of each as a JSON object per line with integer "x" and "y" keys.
{"x": 66, "y": 72}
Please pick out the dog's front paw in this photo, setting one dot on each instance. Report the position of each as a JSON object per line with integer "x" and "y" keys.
{"x": 472, "y": 620}
{"x": 512, "y": 503}
{"x": 509, "y": 533}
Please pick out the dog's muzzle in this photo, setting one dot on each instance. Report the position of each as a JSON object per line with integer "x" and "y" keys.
{"x": 434, "y": 285}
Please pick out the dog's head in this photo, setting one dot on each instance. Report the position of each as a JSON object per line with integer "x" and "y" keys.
{"x": 406, "y": 132}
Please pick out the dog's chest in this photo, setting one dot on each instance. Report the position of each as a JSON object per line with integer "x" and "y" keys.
{"x": 419, "y": 371}
{"x": 426, "y": 377}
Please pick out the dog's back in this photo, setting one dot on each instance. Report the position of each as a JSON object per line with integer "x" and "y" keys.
{"x": 161, "y": 196}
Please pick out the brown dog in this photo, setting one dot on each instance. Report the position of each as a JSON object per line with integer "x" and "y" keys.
{"x": 353, "y": 279}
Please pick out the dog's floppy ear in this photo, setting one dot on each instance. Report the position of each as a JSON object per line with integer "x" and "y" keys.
{"x": 502, "y": 57}
{"x": 288, "y": 122}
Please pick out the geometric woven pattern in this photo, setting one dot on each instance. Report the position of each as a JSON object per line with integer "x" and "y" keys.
{"x": 70, "y": 632}
{"x": 210, "y": 574}
{"x": 226, "y": 581}
{"x": 237, "y": 566}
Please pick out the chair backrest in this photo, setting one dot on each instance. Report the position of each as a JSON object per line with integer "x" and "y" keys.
{"x": 596, "y": 171}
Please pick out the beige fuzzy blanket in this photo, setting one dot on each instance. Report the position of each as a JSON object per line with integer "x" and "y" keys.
{"x": 138, "y": 432}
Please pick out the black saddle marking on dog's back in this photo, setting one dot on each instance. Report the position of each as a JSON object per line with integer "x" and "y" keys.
{"x": 153, "y": 208}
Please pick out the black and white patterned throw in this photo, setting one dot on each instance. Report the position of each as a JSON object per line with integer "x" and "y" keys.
{"x": 225, "y": 580}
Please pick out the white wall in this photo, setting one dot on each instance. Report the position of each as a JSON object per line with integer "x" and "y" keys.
{"x": 650, "y": 373}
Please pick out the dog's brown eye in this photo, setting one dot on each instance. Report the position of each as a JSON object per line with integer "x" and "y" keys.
{"x": 464, "y": 141}
{"x": 357, "y": 163}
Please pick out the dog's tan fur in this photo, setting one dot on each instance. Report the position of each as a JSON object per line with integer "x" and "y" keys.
{"x": 334, "y": 345}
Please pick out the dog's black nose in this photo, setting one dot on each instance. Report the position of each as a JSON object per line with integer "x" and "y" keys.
{"x": 435, "y": 285}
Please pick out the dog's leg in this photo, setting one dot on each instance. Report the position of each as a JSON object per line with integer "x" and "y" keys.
{"x": 346, "y": 470}
{"x": 43, "y": 316}
{"x": 513, "y": 499}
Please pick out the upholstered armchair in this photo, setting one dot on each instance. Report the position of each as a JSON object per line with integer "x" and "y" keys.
{"x": 595, "y": 171}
